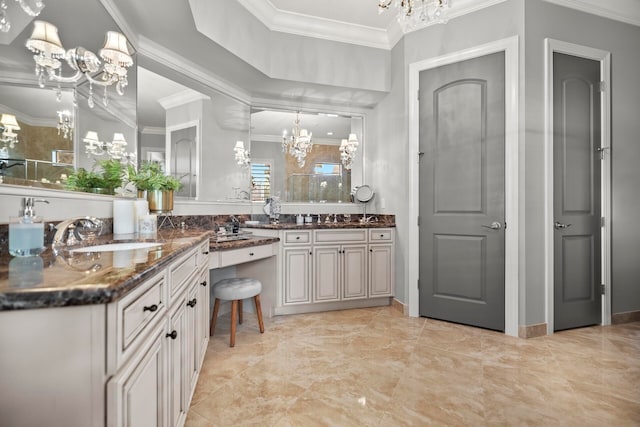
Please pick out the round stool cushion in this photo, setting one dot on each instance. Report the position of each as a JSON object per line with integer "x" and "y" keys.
{"x": 236, "y": 288}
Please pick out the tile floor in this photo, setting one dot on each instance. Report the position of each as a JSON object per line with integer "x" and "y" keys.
{"x": 375, "y": 367}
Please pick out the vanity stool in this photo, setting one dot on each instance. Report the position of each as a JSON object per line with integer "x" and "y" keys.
{"x": 235, "y": 290}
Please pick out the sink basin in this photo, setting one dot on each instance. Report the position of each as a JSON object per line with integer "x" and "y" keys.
{"x": 128, "y": 246}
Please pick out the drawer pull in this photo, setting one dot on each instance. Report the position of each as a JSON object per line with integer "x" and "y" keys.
{"x": 382, "y": 236}
{"x": 205, "y": 253}
{"x": 370, "y": 250}
{"x": 251, "y": 254}
{"x": 203, "y": 283}
{"x": 192, "y": 303}
{"x": 150, "y": 308}
{"x": 297, "y": 237}
{"x": 173, "y": 335}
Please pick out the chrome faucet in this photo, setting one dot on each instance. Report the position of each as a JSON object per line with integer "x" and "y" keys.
{"x": 67, "y": 233}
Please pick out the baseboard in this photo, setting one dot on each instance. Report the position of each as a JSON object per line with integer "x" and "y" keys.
{"x": 626, "y": 317}
{"x": 400, "y": 306}
{"x": 532, "y": 331}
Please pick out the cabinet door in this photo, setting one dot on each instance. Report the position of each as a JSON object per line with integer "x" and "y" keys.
{"x": 178, "y": 362}
{"x": 297, "y": 275}
{"x": 202, "y": 317}
{"x": 380, "y": 270}
{"x": 136, "y": 396}
{"x": 326, "y": 273}
{"x": 354, "y": 271}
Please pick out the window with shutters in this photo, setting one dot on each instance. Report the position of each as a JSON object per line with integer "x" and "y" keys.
{"x": 260, "y": 181}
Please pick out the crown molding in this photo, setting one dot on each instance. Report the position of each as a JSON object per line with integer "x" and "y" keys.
{"x": 180, "y": 64}
{"x": 626, "y": 11}
{"x": 181, "y": 98}
{"x": 28, "y": 119}
{"x": 153, "y": 130}
{"x": 312, "y": 26}
{"x": 120, "y": 20}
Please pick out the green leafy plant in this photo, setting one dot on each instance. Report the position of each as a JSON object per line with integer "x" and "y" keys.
{"x": 110, "y": 176}
{"x": 150, "y": 177}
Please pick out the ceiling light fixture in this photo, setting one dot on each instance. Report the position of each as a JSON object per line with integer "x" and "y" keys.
{"x": 31, "y": 8}
{"x": 243, "y": 158}
{"x": 114, "y": 149}
{"x": 299, "y": 143}
{"x": 9, "y": 126}
{"x": 348, "y": 148}
{"x": 48, "y": 49}
{"x": 65, "y": 124}
{"x": 412, "y": 13}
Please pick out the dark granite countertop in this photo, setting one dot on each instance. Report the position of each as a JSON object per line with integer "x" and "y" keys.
{"x": 319, "y": 226}
{"x": 88, "y": 278}
{"x": 238, "y": 244}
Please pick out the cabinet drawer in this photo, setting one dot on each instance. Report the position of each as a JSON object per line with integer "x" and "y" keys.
{"x": 181, "y": 270}
{"x": 291, "y": 237}
{"x": 238, "y": 256}
{"x": 380, "y": 235}
{"x": 203, "y": 254}
{"x": 139, "y": 309}
{"x": 340, "y": 236}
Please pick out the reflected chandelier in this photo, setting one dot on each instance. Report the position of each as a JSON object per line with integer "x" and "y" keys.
{"x": 9, "y": 125}
{"x": 65, "y": 124}
{"x": 414, "y": 12}
{"x": 114, "y": 149}
{"x": 48, "y": 49}
{"x": 299, "y": 143}
{"x": 30, "y": 7}
{"x": 243, "y": 158}
{"x": 348, "y": 148}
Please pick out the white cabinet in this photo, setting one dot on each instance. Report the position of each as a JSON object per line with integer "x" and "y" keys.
{"x": 334, "y": 269}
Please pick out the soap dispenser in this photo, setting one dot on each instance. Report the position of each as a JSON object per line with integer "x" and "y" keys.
{"x": 26, "y": 231}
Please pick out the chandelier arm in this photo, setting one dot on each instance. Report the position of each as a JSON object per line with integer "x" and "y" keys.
{"x": 107, "y": 82}
{"x": 58, "y": 78}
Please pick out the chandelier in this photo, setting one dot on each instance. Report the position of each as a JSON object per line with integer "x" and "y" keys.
{"x": 65, "y": 124}
{"x": 30, "y": 7}
{"x": 348, "y": 148}
{"x": 9, "y": 126}
{"x": 49, "y": 52}
{"x": 299, "y": 143}
{"x": 114, "y": 149}
{"x": 415, "y": 12}
{"x": 243, "y": 157}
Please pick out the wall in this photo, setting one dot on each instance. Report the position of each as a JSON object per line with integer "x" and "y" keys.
{"x": 623, "y": 41}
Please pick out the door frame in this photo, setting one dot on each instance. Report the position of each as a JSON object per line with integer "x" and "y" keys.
{"x": 510, "y": 47}
{"x": 550, "y": 47}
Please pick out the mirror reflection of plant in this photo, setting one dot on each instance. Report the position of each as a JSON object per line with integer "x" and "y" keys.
{"x": 111, "y": 175}
{"x": 151, "y": 177}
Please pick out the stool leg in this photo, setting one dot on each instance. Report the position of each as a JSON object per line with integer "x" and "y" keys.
{"x": 234, "y": 313}
{"x": 214, "y": 317}
{"x": 240, "y": 311}
{"x": 256, "y": 299}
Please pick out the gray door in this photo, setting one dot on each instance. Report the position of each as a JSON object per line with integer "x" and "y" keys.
{"x": 576, "y": 191}
{"x": 462, "y": 132}
{"x": 183, "y": 149}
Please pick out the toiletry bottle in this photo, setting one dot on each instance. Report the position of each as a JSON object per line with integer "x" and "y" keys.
{"x": 299, "y": 219}
{"x": 26, "y": 231}
{"x": 308, "y": 219}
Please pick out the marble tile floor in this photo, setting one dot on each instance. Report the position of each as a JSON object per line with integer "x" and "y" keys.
{"x": 375, "y": 367}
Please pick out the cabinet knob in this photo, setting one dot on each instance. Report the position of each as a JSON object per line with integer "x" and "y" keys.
{"x": 205, "y": 253}
{"x": 150, "y": 308}
{"x": 370, "y": 250}
{"x": 310, "y": 253}
{"x": 203, "y": 283}
{"x": 251, "y": 253}
{"x": 173, "y": 335}
{"x": 381, "y": 236}
{"x": 297, "y": 237}
{"x": 192, "y": 303}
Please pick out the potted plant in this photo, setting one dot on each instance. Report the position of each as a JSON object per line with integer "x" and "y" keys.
{"x": 105, "y": 181}
{"x": 152, "y": 184}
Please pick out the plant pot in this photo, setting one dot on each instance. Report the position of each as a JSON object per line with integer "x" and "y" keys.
{"x": 98, "y": 190}
{"x": 160, "y": 201}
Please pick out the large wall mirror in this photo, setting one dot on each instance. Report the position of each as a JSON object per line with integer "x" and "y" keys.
{"x": 53, "y": 120}
{"x": 322, "y": 175}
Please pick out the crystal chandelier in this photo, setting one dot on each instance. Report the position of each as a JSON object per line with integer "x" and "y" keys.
{"x": 30, "y": 7}
{"x": 417, "y": 12}
{"x": 65, "y": 124}
{"x": 348, "y": 148}
{"x": 49, "y": 52}
{"x": 299, "y": 143}
{"x": 114, "y": 149}
{"x": 243, "y": 158}
{"x": 9, "y": 126}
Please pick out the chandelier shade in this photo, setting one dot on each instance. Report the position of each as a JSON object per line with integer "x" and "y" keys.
{"x": 348, "y": 149}
{"x": 243, "y": 157}
{"x": 299, "y": 143}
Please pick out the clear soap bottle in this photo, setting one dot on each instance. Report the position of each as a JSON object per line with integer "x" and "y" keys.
{"x": 26, "y": 231}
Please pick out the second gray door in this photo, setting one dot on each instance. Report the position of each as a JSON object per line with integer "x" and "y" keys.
{"x": 462, "y": 134}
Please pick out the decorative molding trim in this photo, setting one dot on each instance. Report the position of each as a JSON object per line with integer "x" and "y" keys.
{"x": 181, "y": 98}
{"x": 153, "y": 130}
{"x": 313, "y": 26}
{"x": 619, "y": 10}
{"x": 180, "y": 64}
{"x": 532, "y": 331}
{"x": 626, "y": 317}
{"x": 29, "y": 120}
{"x": 120, "y": 20}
